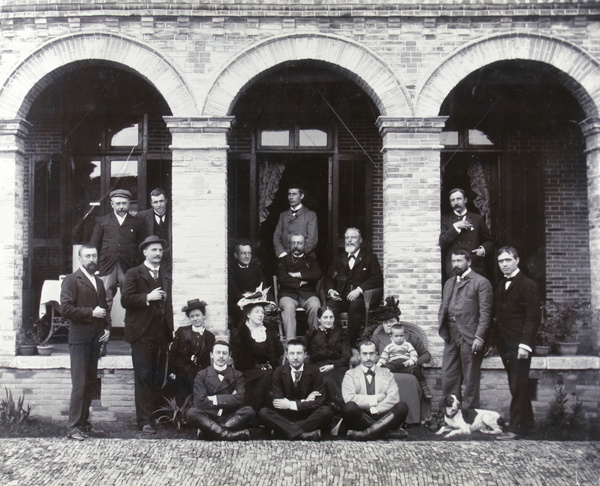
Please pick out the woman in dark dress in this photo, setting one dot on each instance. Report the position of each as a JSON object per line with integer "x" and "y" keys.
{"x": 256, "y": 350}
{"x": 329, "y": 349}
{"x": 190, "y": 350}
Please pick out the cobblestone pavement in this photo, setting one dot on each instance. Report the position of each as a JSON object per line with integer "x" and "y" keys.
{"x": 148, "y": 462}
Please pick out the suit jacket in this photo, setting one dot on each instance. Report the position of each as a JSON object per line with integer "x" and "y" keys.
{"x": 478, "y": 236}
{"x": 78, "y": 299}
{"x": 138, "y": 314}
{"x": 147, "y": 218}
{"x": 309, "y": 269}
{"x": 230, "y": 392}
{"x": 283, "y": 387}
{"x": 305, "y": 223}
{"x": 335, "y": 349}
{"x": 518, "y": 311}
{"x": 365, "y": 274}
{"x": 243, "y": 280}
{"x": 473, "y": 306}
{"x": 186, "y": 344}
{"x": 118, "y": 243}
{"x": 354, "y": 388}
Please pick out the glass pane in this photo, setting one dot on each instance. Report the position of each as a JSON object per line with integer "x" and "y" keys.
{"x": 449, "y": 138}
{"x": 477, "y": 137}
{"x": 313, "y": 138}
{"x": 86, "y": 198}
{"x": 128, "y": 137}
{"x": 124, "y": 175}
{"x": 275, "y": 138}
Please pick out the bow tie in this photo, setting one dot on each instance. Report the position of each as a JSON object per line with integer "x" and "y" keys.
{"x": 351, "y": 257}
{"x": 370, "y": 372}
{"x": 294, "y": 212}
{"x": 508, "y": 279}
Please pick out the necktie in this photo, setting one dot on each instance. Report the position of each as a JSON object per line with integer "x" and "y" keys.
{"x": 507, "y": 283}
{"x": 351, "y": 261}
{"x": 297, "y": 376}
{"x": 154, "y": 274}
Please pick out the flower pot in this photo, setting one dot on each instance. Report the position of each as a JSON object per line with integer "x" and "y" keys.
{"x": 27, "y": 349}
{"x": 567, "y": 349}
{"x": 45, "y": 350}
{"x": 542, "y": 350}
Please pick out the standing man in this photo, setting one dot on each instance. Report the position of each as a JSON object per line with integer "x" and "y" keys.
{"x": 373, "y": 409}
{"x": 298, "y": 220}
{"x": 158, "y": 222}
{"x": 148, "y": 327}
{"x": 298, "y": 274}
{"x": 219, "y": 411}
{"x": 517, "y": 322}
{"x": 464, "y": 229}
{"x": 244, "y": 277}
{"x": 464, "y": 320}
{"x": 117, "y": 236}
{"x": 83, "y": 301}
{"x": 351, "y": 273}
{"x": 299, "y": 396}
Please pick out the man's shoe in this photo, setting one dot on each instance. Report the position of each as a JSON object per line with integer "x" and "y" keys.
{"x": 399, "y": 434}
{"x": 509, "y": 436}
{"x": 313, "y": 436}
{"x": 75, "y": 434}
{"x": 90, "y": 431}
{"x": 148, "y": 429}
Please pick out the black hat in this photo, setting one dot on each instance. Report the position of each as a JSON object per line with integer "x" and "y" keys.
{"x": 120, "y": 193}
{"x": 389, "y": 311}
{"x": 153, "y": 239}
{"x": 194, "y": 304}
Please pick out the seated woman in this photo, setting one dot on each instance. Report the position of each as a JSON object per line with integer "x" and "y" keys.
{"x": 190, "y": 350}
{"x": 328, "y": 348}
{"x": 410, "y": 390}
{"x": 256, "y": 350}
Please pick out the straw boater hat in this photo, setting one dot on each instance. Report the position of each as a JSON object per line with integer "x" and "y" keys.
{"x": 152, "y": 239}
{"x": 389, "y": 311}
{"x": 194, "y": 304}
{"x": 258, "y": 297}
{"x": 120, "y": 193}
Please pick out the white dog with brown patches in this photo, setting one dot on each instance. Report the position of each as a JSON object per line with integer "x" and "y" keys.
{"x": 463, "y": 422}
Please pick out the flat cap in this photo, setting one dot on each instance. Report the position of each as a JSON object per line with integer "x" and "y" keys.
{"x": 120, "y": 193}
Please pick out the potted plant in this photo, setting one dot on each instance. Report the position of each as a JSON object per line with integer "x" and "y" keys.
{"x": 31, "y": 335}
{"x": 543, "y": 340}
{"x": 563, "y": 320}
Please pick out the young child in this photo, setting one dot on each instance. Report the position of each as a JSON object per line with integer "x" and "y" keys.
{"x": 401, "y": 357}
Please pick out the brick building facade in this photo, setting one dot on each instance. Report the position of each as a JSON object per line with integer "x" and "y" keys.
{"x": 412, "y": 97}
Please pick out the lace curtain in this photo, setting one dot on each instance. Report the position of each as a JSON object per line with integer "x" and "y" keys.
{"x": 269, "y": 177}
{"x": 480, "y": 184}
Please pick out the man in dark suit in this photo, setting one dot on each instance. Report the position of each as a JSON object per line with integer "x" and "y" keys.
{"x": 117, "y": 236}
{"x": 464, "y": 321}
{"x": 158, "y": 222}
{"x": 219, "y": 392}
{"x": 298, "y": 398}
{"x": 244, "y": 277}
{"x": 464, "y": 229}
{"x": 298, "y": 220}
{"x": 148, "y": 327}
{"x": 83, "y": 301}
{"x": 517, "y": 321}
{"x": 351, "y": 273}
{"x": 372, "y": 409}
{"x": 297, "y": 275}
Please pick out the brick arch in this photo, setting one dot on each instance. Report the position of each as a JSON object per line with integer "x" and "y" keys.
{"x": 51, "y": 60}
{"x": 353, "y": 60}
{"x": 577, "y": 70}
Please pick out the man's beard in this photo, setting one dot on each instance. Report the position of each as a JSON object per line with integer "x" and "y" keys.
{"x": 91, "y": 268}
{"x": 350, "y": 248}
{"x": 458, "y": 271}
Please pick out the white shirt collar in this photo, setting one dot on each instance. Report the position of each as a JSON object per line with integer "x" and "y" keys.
{"x": 150, "y": 267}
{"x": 199, "y": 330}
{"x": 90, "y": 277}
{"x": 513, "y": 274}
{"x": 220, "y": 370}
{"x": 365, "y": 369}
{"x": 296, "y": 208}
{"x": 467, "y": 271}
{"x": 301, "y": 369}
{"x": 120, "y": 219}
{"x": 460, "y": 215}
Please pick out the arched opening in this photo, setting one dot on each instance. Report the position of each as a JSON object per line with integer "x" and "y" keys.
{"x": 95, "y": 127}
{"x": 304, "y": 122}
{"x": 512, "y": 140}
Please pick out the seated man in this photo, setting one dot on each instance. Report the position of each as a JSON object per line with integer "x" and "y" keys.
{"x": 298, "y": 274}
{"x": 244, "y": 277}
{"x": 299, "y": 395}
{"x": 372, "y": 409}
{"x": 219, "y": 410}
{"x": 352, "y": 272}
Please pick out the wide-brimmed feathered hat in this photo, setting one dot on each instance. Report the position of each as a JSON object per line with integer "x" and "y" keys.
{"x": 388, "y": 311}
{"x": 194, "y": 304}
{"x": 258, "y": 297}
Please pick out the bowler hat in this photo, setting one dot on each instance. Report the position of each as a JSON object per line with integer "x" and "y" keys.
{"x": 120, "y": 193}
{"x": 194, "y": 304}
{"x": 153, "y": 239}
{"x": 389, "y": 311}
